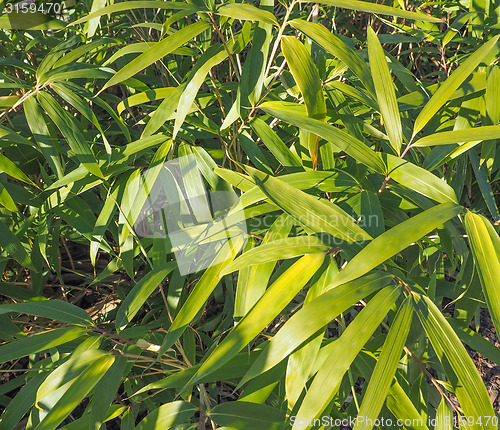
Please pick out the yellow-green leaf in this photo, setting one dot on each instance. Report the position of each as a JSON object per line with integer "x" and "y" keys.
{"x": 386, "y": 94}
{"x": 468, "y": 385}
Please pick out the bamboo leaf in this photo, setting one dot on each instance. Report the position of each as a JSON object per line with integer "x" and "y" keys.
{"x": 31, "y": 21}
{"x": 246, "y": 12}
{"x": 468, "y": 385}
{"x": 384, "y": 88}
{"x": 302, "y": 363}
{"x": 61, "y": 402}
{"x": 418, "y": 179}
{"x": 277, "y": 147}
{"x": 53, "y": 309}
{"x": 210, "y": 58}
{"x": 385, "y": 369}
{"x": 254, "y": 68}
{"x": 336, "y": 46}
{"x": 395, "y": 240}
{"x": 485, "y": 247}
{"x": 319, "y": 216}
{"x": 247, "y": 416}
{"x": 446, "y": 90}
{"x": 344, "y": 351}
{"x": 39, "y": 342}
{"x": 253, "y": 280}
{"x": 157, "y": 51}
{"x": 306, "y": 75}
{"x": 124, "y": 7}
{"x": 21, "y": 403}
{"x": 378, "y": 9}
{"x": 201, "y": 292}
{"x": 313, "y": 317}
{"x": 168, "y": 415}
{"x": 274, "y": 300}
{"x": 11, "y": 169}
{"x": 460, "y": 136}
{"x": 140, "y": 293}
{"x": 358, "y": 150}
{"x": 12, "y": 245}
{"x": 163, "y": 112}
{"x": 65, "y": 123}
{"x": 280, "y": 249}
{"x": 444, "y": 416}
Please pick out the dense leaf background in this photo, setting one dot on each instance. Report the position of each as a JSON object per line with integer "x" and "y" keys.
{"x": 358, "y": 142}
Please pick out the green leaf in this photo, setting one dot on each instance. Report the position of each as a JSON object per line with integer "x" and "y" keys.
{"x": 444, "y": 416}
{"x": 446, "y": 90}
{"x": 253, "y": 280}
{"x": 66, "y": 92}
{"x": 485, "y": 247}
{"x": 481, "y": 174}
{"x": 290, "y": 113}
{"x": 11, "y": 169}
{"x": 41, "y": 134}
{"x": 6, "y": 200}
{"x": 281, "y": 249}
{"x": 29, "y": 21}
{"x": 168, "y": 415}
{"x": 145, "y": 97}
{"x": 105, "y": 393}
{"x": 12, "y": 246}
{"x": 68, "y": 127}
{"x": 157, "y": 51}
{"x": 385, "y": 369}
{"x": 337, "y": 47}
{"x": 460, "y": 136}
{"x": 326, "y": 382}
{"x": 398, "y": 402}
{"x": 60, "y": 402}
{"x": 395, "y": 240}
{"x": 140, "y": 293}
{"x": 68, "y": 371}
{"x": 129, "y": 5}
{"x": 313, "y": 317}
{"x": 308, "y": 210}
{"x": 163, "y": 112}
{"x": 254, "y": 68}
{"x": 386, "y": 94}
{"x": 306, "y": 75}
{"x": 210, "y": 58}
{"x": 468, "y": 385}
{"x": 21, "y": 403}
{"x": 302, "y": 363}
{"x": 418, "y": 179}
{"x": 246, "y": 12}
{"x": 52, "y": 309}
{"x": 372, "y": 216}
{"x": 247, "y": 416}
{"x": 273, "y": 142}
{"x": 377, "y": 8}
{"x": 274, "y": 300}
{"x": 39, "y": 342}
{"x": 201, "y": 291}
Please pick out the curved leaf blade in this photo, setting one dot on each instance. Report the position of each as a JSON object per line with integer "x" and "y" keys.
{"x": 469, "y": 387}
{"x": 446, "y": 90}
{"x": 345, "y": 349}
{"x": 157, "y": 51}
{"x": 384, "y": 88}
{"x": 140, "y": 293}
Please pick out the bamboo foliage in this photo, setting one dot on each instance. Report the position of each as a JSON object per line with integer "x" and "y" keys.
{"x": 248, "y": 215}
